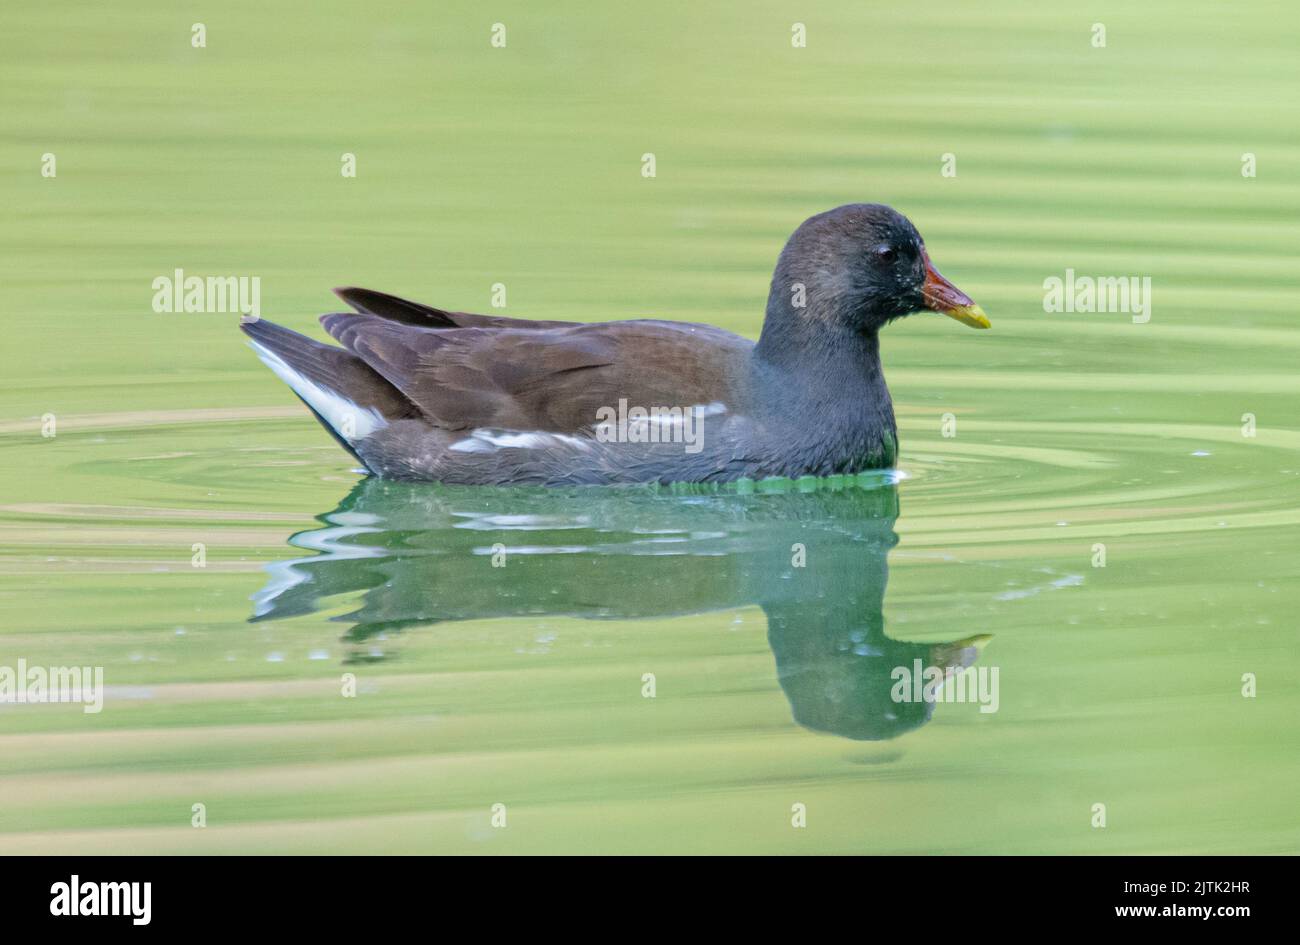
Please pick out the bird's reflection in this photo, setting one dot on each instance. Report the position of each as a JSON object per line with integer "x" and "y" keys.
{"x": 813, "y": 559}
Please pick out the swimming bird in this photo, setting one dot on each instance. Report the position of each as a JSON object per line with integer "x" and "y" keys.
{"x": 420, "y": 393}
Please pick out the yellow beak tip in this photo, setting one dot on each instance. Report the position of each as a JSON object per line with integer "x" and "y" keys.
{"x": 971, "y": 315}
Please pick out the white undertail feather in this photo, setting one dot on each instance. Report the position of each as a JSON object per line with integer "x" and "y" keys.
{"x": 345, "y": 417}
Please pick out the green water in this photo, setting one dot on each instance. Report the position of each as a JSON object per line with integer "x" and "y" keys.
{"x": 524, "y": 684}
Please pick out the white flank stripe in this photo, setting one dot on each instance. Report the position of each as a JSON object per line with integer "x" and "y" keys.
{"x": 484, "y": 440}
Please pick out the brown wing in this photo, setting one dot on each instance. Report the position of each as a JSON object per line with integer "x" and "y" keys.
{"x": 545, "y": 378}
{"x": 395, "y": 308}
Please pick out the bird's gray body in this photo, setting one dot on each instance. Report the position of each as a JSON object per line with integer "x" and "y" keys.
{"x": 420, "y": 393}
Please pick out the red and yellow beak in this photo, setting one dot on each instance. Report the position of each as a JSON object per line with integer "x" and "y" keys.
{"x": 942, "y": 296}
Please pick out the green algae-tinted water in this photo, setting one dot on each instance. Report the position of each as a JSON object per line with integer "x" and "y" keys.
{"x": 502, "y": 642}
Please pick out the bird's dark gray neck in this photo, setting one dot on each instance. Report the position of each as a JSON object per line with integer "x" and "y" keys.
{"x": 822, "y": 384}
{"x": 832, "y": 359}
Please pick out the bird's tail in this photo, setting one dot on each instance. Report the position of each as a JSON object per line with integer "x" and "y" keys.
{"x": 350, "y": 399}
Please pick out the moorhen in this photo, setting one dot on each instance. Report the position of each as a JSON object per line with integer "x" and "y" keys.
{"x": 419, "y": 393}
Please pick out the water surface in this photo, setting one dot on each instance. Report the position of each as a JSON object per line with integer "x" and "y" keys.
{"x": 193, "y": 531}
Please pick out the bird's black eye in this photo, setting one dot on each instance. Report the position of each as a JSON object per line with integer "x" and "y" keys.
{"x": 886, "y": 254}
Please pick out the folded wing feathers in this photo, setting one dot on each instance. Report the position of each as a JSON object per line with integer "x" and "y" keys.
{"x": 462, "y": 371}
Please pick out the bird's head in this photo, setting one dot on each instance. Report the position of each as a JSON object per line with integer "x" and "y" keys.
{"x": 856, "y": 268}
